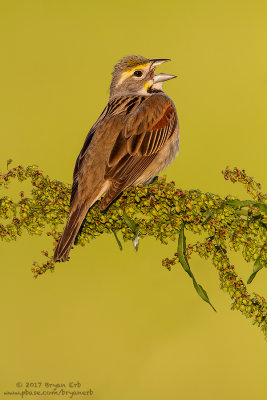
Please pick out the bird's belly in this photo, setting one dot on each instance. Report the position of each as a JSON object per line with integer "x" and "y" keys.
{"x": 164, "y": 158}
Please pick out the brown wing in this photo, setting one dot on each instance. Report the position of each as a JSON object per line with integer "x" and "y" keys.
{"x": 88, "y": 176}
{"x": 116, "y": 106}
{"x": 147, "y": 130}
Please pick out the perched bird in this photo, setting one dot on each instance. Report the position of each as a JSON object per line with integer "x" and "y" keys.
{"x": 135, "y": 137}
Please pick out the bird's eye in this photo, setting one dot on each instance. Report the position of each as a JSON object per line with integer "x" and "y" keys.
{"x": 138, "y": 73}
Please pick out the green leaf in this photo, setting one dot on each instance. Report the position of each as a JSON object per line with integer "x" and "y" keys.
{"x": 239, "y": 203}
{"x": 262, "y": 207}
{"x": 256, "y": 268}
{"x": 130, "y": 223}
{"x": 184, "y": 262}
{"x": 181, "y": 252}
{"x": 118, "y": 241}
{"x": 209, "y": 214}
{"x": 202, "y": 293}
{"x": 245, "y": 203}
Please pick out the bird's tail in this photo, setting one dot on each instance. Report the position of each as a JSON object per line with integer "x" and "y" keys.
{"x": 70, "y": 231}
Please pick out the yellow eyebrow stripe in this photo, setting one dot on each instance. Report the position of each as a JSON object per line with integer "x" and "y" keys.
{"x": 129, "y": 72}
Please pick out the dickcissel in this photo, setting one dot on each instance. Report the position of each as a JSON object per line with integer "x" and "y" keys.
{"x": 135, "y": 137}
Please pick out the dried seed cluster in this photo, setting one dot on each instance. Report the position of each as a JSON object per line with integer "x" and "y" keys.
{"x": 159, "y": 210}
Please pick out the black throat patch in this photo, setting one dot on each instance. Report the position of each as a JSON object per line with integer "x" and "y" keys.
{"x": 150, "y": 90}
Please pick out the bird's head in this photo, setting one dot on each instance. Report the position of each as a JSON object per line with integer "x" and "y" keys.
{"x": 134, "y": 75}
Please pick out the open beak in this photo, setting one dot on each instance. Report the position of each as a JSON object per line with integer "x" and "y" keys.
{"x": 157, "y": 61}
{"x": 163, "y": 77}
{"x": 160, "y": 77}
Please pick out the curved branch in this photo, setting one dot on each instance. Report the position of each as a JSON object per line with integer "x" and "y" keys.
{"x": 159, "y": 210}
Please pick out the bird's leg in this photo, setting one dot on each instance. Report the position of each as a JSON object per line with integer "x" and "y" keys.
{"x": 151, "y": 180}
{"x": 154, "y": 179}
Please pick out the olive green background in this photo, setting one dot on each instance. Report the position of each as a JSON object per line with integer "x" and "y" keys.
{"x": 118, "y": 322}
